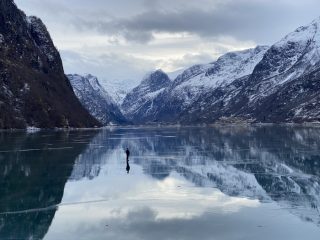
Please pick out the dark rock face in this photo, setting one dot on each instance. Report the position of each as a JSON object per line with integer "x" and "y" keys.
{"x": 33, "y": 88}
{"x": 96, "y": 99}
{"x": 140, "y": 100}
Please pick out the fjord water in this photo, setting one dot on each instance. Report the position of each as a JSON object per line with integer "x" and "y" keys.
{"x": 180, "y": 183}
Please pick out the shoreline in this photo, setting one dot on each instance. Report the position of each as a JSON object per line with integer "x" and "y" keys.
{"x": 34, "y": 129}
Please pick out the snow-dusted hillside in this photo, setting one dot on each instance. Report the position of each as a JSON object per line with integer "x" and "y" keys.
{"x": 293, "y": 56}
{"x": 96, "y": 99}
{"x": 276, "y": 84}
{"x": 284, "y": 86}
{"x": 140, "y": 99}
{"x": 227, "y": 68}
{"x": 204, "y": 78}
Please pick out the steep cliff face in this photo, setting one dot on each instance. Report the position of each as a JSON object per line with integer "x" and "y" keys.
{"x": 96, "y": 99}
{"x": 33, "y": 88}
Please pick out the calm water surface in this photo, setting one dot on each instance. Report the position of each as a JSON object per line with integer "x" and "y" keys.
{"x": 180, "y": 183}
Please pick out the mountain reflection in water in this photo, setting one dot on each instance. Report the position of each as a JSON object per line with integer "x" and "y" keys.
{"x": 250, "y": 166}
{"x": 34, "y": 169}
{"x": 276, "y": 163}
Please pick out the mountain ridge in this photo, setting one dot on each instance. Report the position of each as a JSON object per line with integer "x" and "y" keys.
{"x": 248, "y": 86}
{"x": 197, "y": 81}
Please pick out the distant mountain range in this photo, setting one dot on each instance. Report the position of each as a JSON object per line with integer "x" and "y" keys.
{"x": 34, "y": 91}
{"x": 192, "y": 85}
{"x": 277, "y": 84}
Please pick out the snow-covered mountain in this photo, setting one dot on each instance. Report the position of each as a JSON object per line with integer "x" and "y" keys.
{"x": 119, "y": 89}
{"x": 283, "y": 87}
{"x": 140, "y": 99}
{"x": 195, "y": 83}
{"x": 265, "y": 84}
{"x": 292, "y": 56}
{"x": 96, "y": 99}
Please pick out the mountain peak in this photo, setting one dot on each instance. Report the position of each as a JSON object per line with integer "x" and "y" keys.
{"x": 261, "y": 48}
{"x": 87, "y": 82}
{"x": 154, "y": 74}
{"x": 157, "y": 77}
{"x": 316, "y": 21}
{"x": 141, "y": 97}
{"x": 159, "y": 71}
{"x": 303, "y": 34}
{"x": 89, "y": 75}
{"x": 300, "y": 47}
{"x": 94, "y": 82}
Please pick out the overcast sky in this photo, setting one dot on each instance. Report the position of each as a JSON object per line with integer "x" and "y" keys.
{"x": 124, "y": 39}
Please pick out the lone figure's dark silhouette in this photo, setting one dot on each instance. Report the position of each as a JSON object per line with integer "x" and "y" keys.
{"x": 128, "y": 154}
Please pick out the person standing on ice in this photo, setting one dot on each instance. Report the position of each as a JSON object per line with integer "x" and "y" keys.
{"x": 128, "y": 154}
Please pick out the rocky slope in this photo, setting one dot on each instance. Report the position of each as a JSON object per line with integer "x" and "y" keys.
{"x": 140, "y": 100}
{"x": 33, "y": 88}
{"x": 96, "y": 99}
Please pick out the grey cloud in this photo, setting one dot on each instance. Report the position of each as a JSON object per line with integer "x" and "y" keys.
{"x": 138, "y": 37}
{"x": 211, "y": 23}
{"x": 45, "y": 7}
{"x": 261, "y": 21}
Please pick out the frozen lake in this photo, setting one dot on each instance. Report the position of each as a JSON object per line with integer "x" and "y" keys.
{"x": 181, "y": 183}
